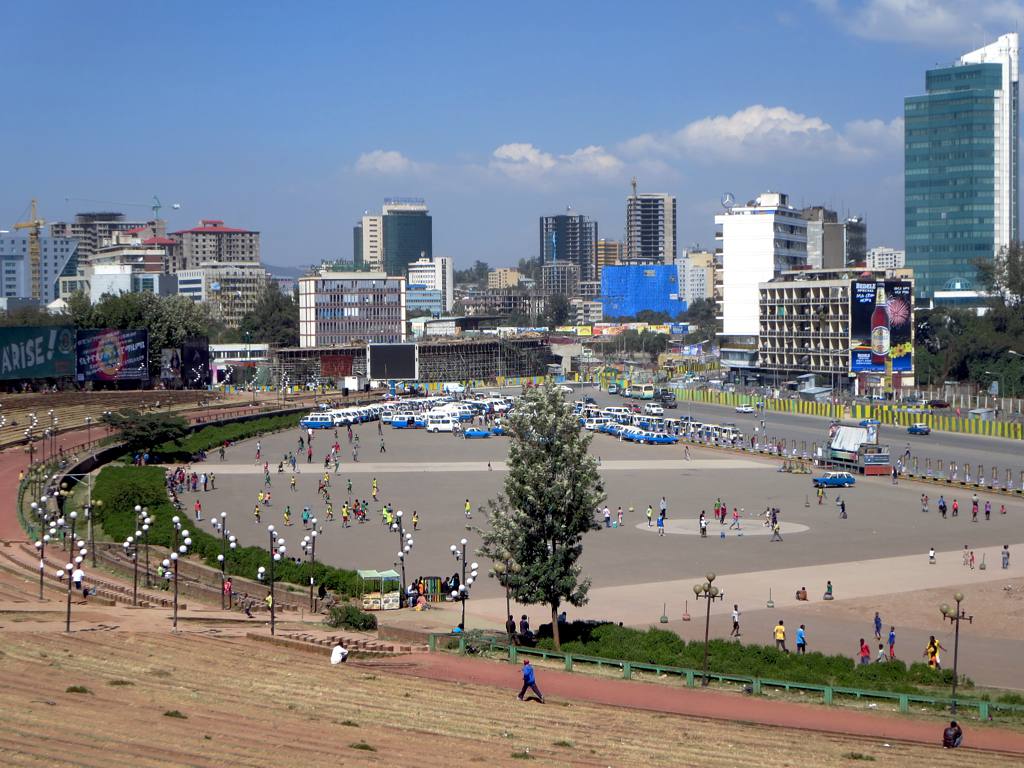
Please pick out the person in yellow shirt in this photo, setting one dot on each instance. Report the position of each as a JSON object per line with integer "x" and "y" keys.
{"x": 780, "y": 636}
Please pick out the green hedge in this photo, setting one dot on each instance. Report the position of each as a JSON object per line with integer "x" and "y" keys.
{"x": 208, "y": 438}
{"x": 350, "y": 617}
{"x": 121, "y": 488}
{"x": 658, "y": 646}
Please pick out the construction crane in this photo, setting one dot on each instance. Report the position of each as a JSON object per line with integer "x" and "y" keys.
{"x": 34, "y": 225}
{"x": 155, "y": 205}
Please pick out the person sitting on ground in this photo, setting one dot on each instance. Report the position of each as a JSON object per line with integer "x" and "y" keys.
{"x": 459, "y": 629}
{"x": 828, "y": 590}
{"x": 339, "y": 654}
{"x": 952, "y": 736}
{"x": 801, "y": 594}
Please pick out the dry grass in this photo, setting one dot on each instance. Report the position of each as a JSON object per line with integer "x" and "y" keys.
{"x": 252, "y": 704}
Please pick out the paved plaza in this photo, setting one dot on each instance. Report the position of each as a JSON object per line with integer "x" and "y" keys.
{"x": 880, "y": 549}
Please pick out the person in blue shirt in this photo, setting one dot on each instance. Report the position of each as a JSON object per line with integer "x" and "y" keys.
{"x": 892, "y": 643}
{"x": 878, "y": 626}
{"x": 801, "y": 639}
{"x": 530, "y": 682}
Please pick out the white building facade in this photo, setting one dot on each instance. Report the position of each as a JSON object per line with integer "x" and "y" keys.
{"x": 884, "y": 257}
{"x": 758, "y": 241}
{"x": 435, "y": 274}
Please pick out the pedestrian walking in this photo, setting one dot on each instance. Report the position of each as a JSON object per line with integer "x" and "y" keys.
{"x": 801, "y": 639}
{"x": 988, "y": 510}
{"x": 650, "y": 515}
{"x": 607, "y": 517}
{"x": 661, "y": 525}
{"x": 382, "y": 448}
{"x": 924, "y": 502}
{"x": 530, "y": 682}
{"x": 892, "y": 643}
{"x": 776, "y": 531}
{"x": 735, "y": 621}
{"x": 780, "y": 636}
{"x": 956, "y": 508}
{"x": 1005, "y": 553}
{"x": 865, "y": 652}
{"x": 942, "y": 506}
{"x": 878, "y": 626}
{"x": 735, "y": 519}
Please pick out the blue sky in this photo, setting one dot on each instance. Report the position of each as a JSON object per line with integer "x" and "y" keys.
{"x": 294, "y": 118}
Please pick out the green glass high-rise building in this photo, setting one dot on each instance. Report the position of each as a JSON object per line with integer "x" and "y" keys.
{"x": 394, "y": 239}
{"x": 961, "y": 168}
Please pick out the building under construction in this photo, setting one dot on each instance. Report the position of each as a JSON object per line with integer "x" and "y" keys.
{"x": 483, "y": 358}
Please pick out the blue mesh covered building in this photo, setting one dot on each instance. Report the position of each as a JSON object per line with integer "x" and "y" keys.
{"x": 630, "y": 288}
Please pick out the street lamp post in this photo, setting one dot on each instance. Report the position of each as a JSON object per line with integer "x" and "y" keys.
{"x": 708, "y": 592}
{"x": 227, "y": 541}
{"x": 405, "y": 544}
{"x": 44, "y": 538}
{"x": 954, "y": 615}
{"x": 76, "y": 561}
{"x": 177, "y": 550}
{"x": 277, "y": 549}
{"x": 131, "y": 549}
{"x": 309, "y": 549}
{"x": 462, "y": 593}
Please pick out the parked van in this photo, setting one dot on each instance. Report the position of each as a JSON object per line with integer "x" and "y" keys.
{"x": 317, "y": 421}
{"x": 440, "y": 423}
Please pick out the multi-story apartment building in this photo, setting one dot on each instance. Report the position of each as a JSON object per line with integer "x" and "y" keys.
{"x": 961, "y": 167}
{"x": 503, "y": 277}
{"x": 338, "y": 308}
{"x": 569, "y": 238}
{"x": 607, "y": 253}
{"x": 587, "y": 311}
{"x": 831, "y": 243}
{"x": 884, "y": 257}
{"x": 435, "y": 274}
{"x": 559, "y": 277}
{"x": 93, "y": 230}
{"x": 504, "y": 302}
{"x": 212, "y": 242}
{"x": 651, "y": 235}
{"x": 696, "y": 275}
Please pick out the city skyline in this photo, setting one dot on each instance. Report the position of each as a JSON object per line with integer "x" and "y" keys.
{"x": 270, "y": 141}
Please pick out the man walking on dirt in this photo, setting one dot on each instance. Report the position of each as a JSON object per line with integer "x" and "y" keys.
{"x": 530, "y": 682}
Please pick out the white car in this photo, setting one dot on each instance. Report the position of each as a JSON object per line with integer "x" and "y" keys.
{"x": 565, "y": 388}
{"x": 744, "y": 409}
{"x": 652, "y": 409}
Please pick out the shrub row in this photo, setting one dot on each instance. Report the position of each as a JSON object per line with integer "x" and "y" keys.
{"x": 210, "y": 437}
{"x": 350, "y": 617}
{"x": 658, "y": 646}
{"x": 121, "y": 488}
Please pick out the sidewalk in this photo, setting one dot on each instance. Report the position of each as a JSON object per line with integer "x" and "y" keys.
{"x": 699, "y": 703}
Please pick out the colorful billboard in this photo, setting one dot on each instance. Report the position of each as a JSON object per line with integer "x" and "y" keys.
{"x": 881, "y": 326}
{"x": 111, "y": 355}
{"x": 195, "y": 362}
{"x": 37, "y": 352}
{"x": 170, "y": 368}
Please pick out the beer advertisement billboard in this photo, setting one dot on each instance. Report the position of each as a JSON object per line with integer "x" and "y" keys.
{"x": 881, "y": 326}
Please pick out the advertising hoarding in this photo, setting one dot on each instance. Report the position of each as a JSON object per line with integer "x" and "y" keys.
{"x": 37, "y": 352}
{"x": 112, "y": 355}
{"x": 881, "y": 325}
{"x": 195, "y": 362}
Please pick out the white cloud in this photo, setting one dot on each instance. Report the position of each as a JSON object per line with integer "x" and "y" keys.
{"x": 761, "y": 133}
{"x": 386, "y": 162}
{"x": 931, "y": 22}
{"x": 525, "y": 161}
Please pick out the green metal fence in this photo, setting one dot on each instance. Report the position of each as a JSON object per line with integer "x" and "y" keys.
{"x": 757, "y": 684}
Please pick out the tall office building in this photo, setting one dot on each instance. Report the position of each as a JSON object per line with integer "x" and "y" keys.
{"x": 390, "y": 242}
{"x": 570, "y": 238}
{"x": 651, "y": 234}
{"x": 961, "y": 167}
{"x": 337, "y": 308}
{"x": 57, "y": 258}
{"x": 759, "y": 241}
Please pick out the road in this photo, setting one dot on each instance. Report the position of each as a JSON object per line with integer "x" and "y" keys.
{"x": 944, "y": 446}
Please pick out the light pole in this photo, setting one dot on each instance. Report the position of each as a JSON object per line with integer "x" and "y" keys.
{"x": 309, "y": 550}
{"x": 405, "y": 543}
{"x": 44, "y": 538}
{"x": 76, "y": 562}
{"x": 462, "y": 593}
{"x": 999, "y": 378}
{"x": 709, "y": 592}
{"x": 227, "y": 540}
{"x": 955, "y": 615}
{"x": 277, "y": 549}
{"x": 88, "y": 430}
{"x": 131, "y": 549}
{"x": 1014, "y": 353}
{"x": 177, "y": 550}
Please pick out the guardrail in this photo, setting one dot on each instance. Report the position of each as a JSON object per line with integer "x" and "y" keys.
{"x": 756, "y": 684}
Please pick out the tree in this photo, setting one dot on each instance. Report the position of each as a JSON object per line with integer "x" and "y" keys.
{"x": 530, "y": 268}
{"x": 477, "y": 274}
{"x": 1003, "y": 276}
{"x": 558, "y": 310}
{"x": 145, "y": 431}
{"x": 551, "y": 491}
{"x": 274, "y": 320}
{"x": 702, "y": 314}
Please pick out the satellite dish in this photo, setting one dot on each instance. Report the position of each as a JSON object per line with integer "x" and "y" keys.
{"x": 728, "y": 200}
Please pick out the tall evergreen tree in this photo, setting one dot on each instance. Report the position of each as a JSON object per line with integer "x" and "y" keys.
{"x": 551, "y": 491}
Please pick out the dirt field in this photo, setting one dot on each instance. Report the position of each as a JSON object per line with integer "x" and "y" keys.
{"x": 248, "y": 704}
